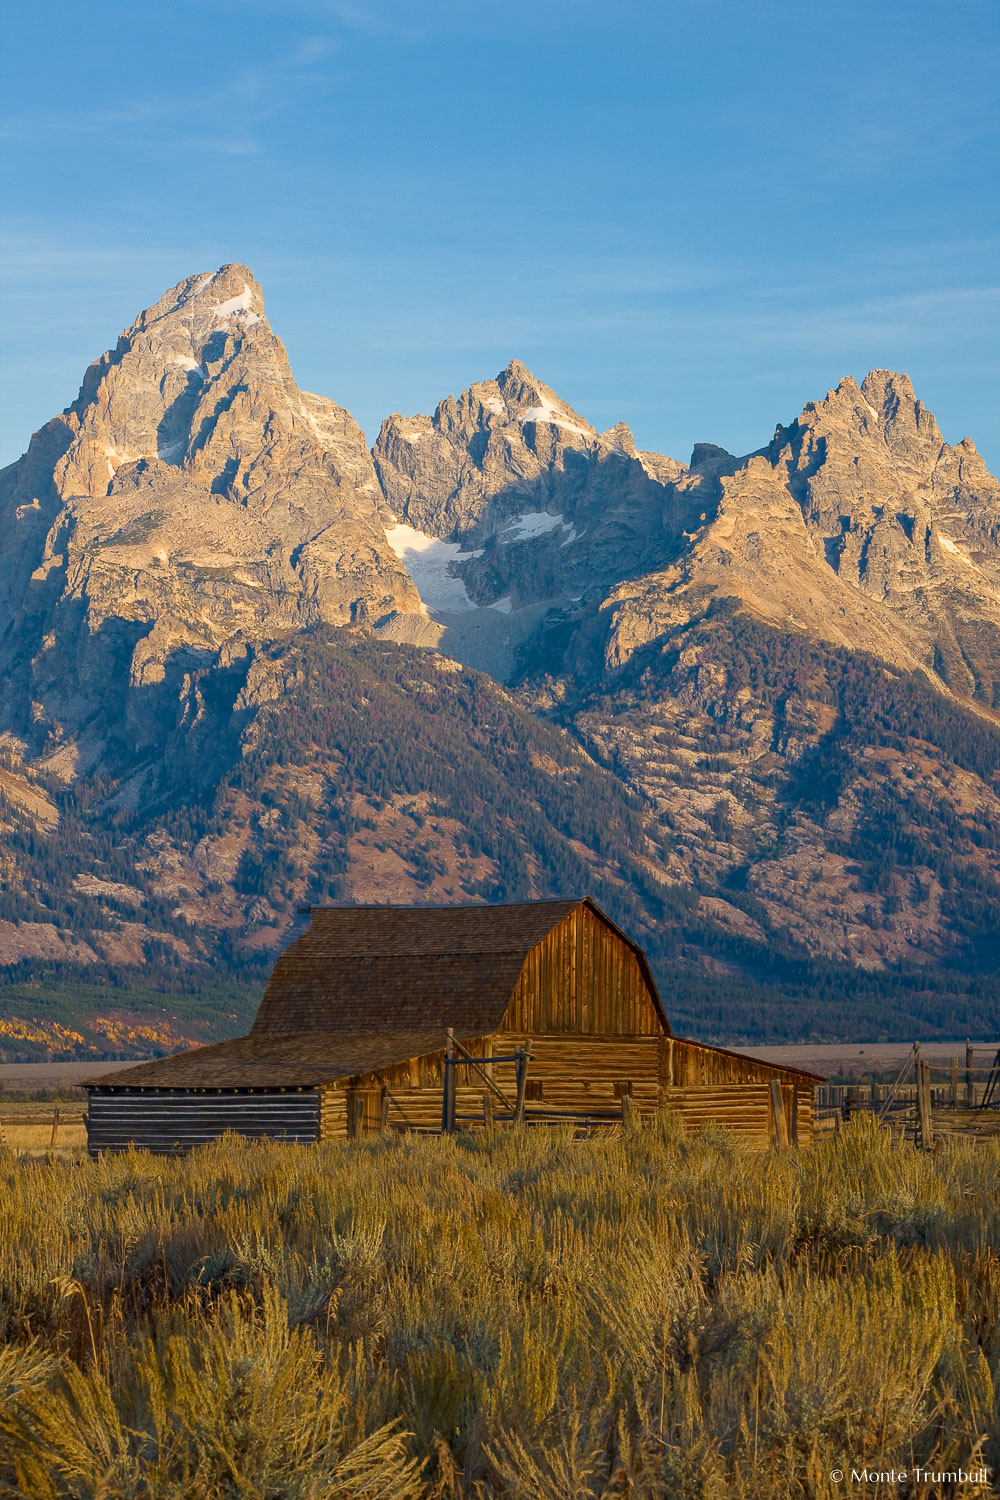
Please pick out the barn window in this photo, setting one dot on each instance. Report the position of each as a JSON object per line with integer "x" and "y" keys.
{"x": 623, "y": 1090}
{"x": 533, "y": 1089}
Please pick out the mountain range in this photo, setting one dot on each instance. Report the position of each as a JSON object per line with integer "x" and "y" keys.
{"x": 751, "y": 703}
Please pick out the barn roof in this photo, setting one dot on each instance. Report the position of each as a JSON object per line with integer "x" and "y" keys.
{"x": 299, "y": 1061}
{"x": 394, "y": 967}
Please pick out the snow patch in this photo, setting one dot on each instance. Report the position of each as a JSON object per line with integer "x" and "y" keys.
{"x": 532, "y": 523}
{"x": 504, "y": 605}
{"x": 185, "y": 362}
{"x": 116, "y": 459}
{"x": 872, "y": 410}
{"x": 495, "y": 404}
{"x": 557, "y": 416}
{"x": 429, "y": 562}
{"x": 314, "y": 424}
{"x": 238, "y": 305}
{"x": 955, "y": 550}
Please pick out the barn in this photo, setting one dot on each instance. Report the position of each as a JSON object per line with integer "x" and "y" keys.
{"x": 431, "y": 1018}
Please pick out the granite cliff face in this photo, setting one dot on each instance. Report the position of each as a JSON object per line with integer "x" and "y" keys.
{"x": 751, "y": 702}
{"x": 191, "y": 497}
{"x": 858, "y": 525}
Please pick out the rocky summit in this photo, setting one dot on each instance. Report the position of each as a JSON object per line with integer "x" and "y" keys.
{"x": 191, "y": 499}
{"x": 751, "y": 703}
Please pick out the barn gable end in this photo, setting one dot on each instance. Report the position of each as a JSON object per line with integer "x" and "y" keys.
{"x": 585, "y": 977}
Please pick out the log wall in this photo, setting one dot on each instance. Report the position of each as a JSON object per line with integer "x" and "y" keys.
{"x": 744, "y": 1109}
{"x": 169, "y": 1122}
{"x": 573, "y": 1074}
{"x": 584, "y": 1075}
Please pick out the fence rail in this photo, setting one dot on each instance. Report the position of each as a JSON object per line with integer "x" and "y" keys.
{"x": 54, "y": 1118}
{"x": 941, "y": 1099}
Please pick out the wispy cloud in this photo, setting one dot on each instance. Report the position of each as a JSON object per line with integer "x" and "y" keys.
{"x": 193, "y": 119}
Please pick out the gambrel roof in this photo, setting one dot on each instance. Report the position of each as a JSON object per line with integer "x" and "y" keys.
{"x": 388, "y": 967}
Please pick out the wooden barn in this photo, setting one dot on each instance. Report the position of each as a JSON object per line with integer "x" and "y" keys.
{"x": 430, "y": 1018}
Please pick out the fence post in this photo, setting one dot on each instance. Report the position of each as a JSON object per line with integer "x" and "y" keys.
{"x": 970, "y": 1101}
{"x": 924, "y": 1104}
{"x": 522, "y": 1082}
{"x": 488, "y": 1110}
{"x": 383, "y": 1116}
{"x": 448, "y": 1094}
{"x": 55, "y": 1126}
{"x": 954, "y": 1083}
{"x": 778, "y": 1116}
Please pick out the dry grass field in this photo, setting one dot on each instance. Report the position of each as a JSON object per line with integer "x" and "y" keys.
{"x": 71, "y": 1136}
{"x": 509, "y": 1314}
{"x": 27, "y": 1127}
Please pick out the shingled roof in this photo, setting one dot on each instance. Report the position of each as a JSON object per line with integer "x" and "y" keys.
{"x": 278, "y": 1062}
{"x": 394, "y": 967}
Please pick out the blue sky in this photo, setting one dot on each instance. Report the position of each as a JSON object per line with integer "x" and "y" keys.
{"x": 695, "y": 215}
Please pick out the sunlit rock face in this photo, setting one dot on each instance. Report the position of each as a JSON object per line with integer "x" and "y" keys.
{"x": 857, "y": 524}
{"x": 192, "y": 494}
{"x": 778, "y": 665}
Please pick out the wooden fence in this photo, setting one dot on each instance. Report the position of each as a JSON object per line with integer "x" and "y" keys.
{"x": 926, "y": 1100}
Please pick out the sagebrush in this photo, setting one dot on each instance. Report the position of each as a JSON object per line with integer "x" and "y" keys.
{"x": 512, "y": 1314}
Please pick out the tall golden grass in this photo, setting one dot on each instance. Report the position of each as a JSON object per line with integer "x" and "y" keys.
{"x": 507, "y": 1314}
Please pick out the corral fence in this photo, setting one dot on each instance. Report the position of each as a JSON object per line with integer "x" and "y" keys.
{"x": 498, "y": 1107}
{"x": 960, "y": 1096}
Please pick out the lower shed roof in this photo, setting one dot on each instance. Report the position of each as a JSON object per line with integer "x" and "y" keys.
{"x": 262, "y": 1062}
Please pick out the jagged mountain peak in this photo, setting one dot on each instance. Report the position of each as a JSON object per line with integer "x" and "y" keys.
{"x": 619, "y": 436}
{"x": 513, "y": 398}
{"x": 857, "y": 525}
{"x": 231, "y": 291}
{"x": 190, "y": 494}
{"x": 175, "y": 544}
{"x": 883, "y": 409}
{"x": 528, "y": 399}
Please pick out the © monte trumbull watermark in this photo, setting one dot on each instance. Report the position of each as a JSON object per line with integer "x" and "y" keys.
{"x": 915, "y": 1476}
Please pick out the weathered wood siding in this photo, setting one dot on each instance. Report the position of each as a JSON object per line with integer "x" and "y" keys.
{"x": 169, "y": 1122}
{"x": 689, "y": 1063}
{"x": 804, "y": 1101}
{"x": 584, "y": 1075}
{"x": 705, "y": 1071}
{"x": 587, "y": 1072}
{"x": 583, "y": 978}
{"x": 743, "y": 1108}
{"x": 576, "y": 1074}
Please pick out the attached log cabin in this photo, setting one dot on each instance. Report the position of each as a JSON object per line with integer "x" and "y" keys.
{"x": 423, "y": 1018}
